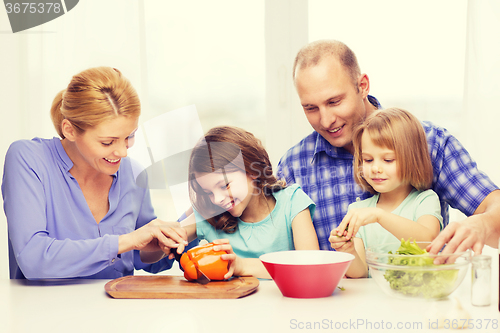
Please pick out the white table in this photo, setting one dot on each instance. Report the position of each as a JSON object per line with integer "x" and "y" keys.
{"x": 83, "y": 306}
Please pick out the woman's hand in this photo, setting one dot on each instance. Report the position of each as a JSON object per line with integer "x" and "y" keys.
{"x": 234, "y": 260}
{"x": 356, "y": 218}
{"x": 155, "y": 236}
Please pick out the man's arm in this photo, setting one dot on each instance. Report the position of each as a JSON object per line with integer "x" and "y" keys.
{"x": 483, "y": 227}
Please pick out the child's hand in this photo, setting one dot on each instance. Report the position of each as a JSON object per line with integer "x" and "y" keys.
{"x": 356, "y": 218}
{"x": 341, "y": 243}
{"x": 234, "y": 260}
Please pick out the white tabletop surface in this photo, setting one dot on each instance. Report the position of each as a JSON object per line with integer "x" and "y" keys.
{"x": 83, "y": 306}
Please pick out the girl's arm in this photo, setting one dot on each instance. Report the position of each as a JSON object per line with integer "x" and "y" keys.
{"x": 426, "y": 207}
{"x": 304, "y": 234}
{"x": 240, "y": 266}
{"x": 358, "y": 267}
{"x": 426, "y": 228}
{"x": 304, "y": 237}
{"x": 248, "y": 267}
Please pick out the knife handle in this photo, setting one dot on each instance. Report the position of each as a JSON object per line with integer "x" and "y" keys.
{"x": 177, "y": 256}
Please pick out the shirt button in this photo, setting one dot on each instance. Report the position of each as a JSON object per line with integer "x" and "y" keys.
{"x": 358, "y": 199}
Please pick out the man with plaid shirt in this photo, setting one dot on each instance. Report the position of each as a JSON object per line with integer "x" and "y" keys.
{"x": 334, "y": 96}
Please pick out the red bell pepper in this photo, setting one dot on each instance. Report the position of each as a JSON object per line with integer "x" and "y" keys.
{"x": 203, "y": 258}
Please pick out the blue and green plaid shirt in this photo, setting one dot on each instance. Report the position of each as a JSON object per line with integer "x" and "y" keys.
{"x": 325, "y": 173}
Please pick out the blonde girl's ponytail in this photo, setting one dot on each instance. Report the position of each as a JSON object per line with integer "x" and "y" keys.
{"x": 56, "y": 113}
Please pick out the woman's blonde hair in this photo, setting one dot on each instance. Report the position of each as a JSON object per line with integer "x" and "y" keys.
{"x": 228, "y": 149}
{"x": 93, "y": 96}
{"x": 402, "y": 132}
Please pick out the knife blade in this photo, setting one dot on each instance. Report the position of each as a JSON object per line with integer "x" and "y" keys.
{"x": 203, "y": 279}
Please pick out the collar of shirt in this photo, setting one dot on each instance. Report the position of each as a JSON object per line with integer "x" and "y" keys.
{"x": 64, "y": 160}
{"x": 374, "y": 102}
{"x": 324, "y": 146}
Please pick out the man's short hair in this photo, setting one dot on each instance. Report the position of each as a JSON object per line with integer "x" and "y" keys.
{"x": 313, "y": 53}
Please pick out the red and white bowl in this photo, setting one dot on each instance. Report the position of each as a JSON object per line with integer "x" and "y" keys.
{"x": 307, "y": 273}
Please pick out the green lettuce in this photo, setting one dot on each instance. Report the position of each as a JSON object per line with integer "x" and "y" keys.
{"x": 419, "y": 282}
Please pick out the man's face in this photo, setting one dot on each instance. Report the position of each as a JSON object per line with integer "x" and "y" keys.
{"x": 332, "y": 103}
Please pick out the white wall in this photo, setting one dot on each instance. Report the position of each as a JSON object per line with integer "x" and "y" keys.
{"x": 36, "y": 64}
{"x": 481, "y": 115}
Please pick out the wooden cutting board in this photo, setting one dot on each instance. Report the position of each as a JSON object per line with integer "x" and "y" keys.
{"x": 165, "y": 286}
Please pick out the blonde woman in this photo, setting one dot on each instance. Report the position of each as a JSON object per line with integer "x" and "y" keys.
{"x": 392, "y": 162}
{"x": 73, "y": 206}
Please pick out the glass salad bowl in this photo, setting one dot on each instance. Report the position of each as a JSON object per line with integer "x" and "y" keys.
{"x": 409, "y": 271}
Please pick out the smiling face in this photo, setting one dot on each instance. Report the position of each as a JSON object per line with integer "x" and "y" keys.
{"x": 380, "y": 167}
{"x": 332, "y": 103}
{"x": 102, "y": 147}
{"x": 231, "y": 191}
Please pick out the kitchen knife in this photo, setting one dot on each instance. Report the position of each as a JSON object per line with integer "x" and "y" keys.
{"x": 203, "y": 279}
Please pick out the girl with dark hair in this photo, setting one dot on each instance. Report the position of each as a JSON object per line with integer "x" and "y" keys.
{"x": 239, "y": 203}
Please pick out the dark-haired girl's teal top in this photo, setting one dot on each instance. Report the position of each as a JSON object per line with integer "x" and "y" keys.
{"x": 274, "y": 233}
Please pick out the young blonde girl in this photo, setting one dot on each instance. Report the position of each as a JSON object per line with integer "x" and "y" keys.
{"x": 240, "y": 205}
{"x": 393, "y": 162}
